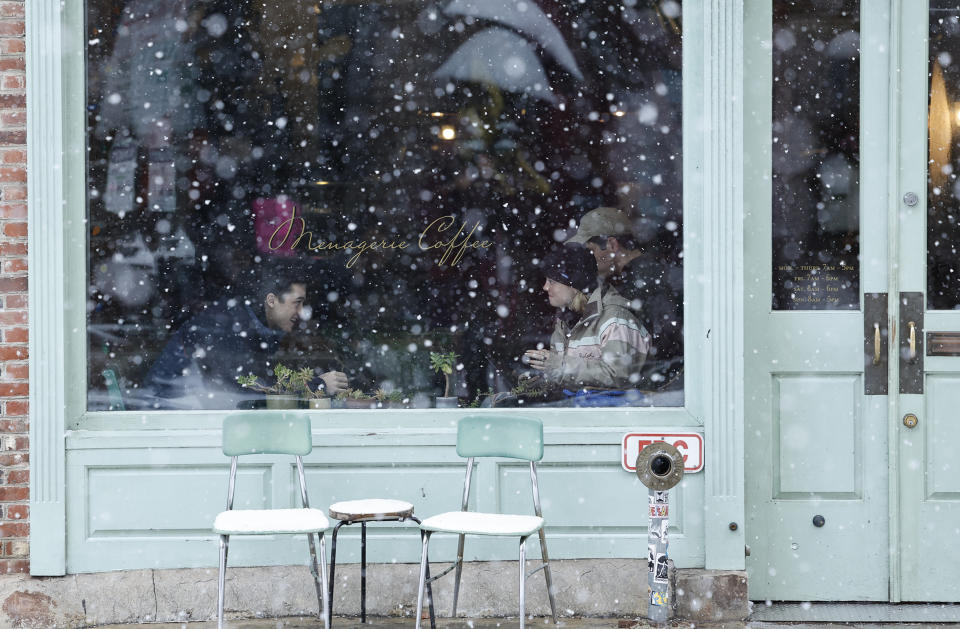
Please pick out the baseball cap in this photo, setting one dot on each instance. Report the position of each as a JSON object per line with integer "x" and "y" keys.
{"x": 603, "y": 221}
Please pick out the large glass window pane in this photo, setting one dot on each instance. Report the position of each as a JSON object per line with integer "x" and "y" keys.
{"x": 816, "y": 155}
{"x": 375, "y": 196}
{"x": 943, "y": 188}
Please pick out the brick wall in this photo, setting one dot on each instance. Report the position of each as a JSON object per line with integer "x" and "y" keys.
{"x": 14, "y": 419}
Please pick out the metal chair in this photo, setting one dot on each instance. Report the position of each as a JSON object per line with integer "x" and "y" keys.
{"x": 270, "y": 433}
{"x": 485, "y": 436}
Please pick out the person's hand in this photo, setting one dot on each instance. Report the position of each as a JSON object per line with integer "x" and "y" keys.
{"x": 536, "y": 358}
{"x": 334, "y": 382}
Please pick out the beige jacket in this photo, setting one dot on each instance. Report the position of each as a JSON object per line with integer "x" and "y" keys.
{"x": 606, "y": 347}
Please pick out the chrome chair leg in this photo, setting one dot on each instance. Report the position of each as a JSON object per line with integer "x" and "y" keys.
{"x": 221, "y": 578}
{"x": 456, "y": 575}
{"x": 315, "y": 571}
{"x": 425, "y": 537}
{"x": 547, "y": 574}
{"x": 523, "y": 581}
{"x": 433, "y": 616}
{"x": 327, "y": 612}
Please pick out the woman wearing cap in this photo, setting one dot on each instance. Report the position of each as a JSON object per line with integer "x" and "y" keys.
{"x": 607, "y": 345}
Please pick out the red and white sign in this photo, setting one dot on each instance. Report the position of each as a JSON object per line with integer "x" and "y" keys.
{"x": 689, "y": 444}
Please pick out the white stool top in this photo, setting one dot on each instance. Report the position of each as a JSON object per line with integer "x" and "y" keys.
{"x": 477, "y": 523}
{"x": 371, "y": 509}
{"x": 270, "y": 521}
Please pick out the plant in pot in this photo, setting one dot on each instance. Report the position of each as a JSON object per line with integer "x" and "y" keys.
{"x": 317, "y": 398}
{"x": 286, "y": 391}
{"x": 444, "y": 362}
{"x": 355, "y": 398}
{"x": 393, "y": 399}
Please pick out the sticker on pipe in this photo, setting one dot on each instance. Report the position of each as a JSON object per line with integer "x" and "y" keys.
{"x": 690, "y": 445}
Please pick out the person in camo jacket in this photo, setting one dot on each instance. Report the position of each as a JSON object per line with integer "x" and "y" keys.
{"x": 597, "y": 342}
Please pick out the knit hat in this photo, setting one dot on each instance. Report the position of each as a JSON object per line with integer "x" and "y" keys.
{"x": 572, "y": 265}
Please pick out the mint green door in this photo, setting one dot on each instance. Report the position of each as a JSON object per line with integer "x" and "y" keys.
{"x": 926, "y": 420}
{"x": 816, "y": 267}
{"x": 853, "y": 302}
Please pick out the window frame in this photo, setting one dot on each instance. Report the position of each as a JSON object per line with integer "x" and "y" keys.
{"x": 713, "y": 285}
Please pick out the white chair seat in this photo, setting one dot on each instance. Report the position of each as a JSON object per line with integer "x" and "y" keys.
{"x": 270, "y": 521}
{"x": 371, "y": 509}
{"x": 474, "y": 523}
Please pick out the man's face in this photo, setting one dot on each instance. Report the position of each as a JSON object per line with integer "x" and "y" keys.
{"x": 606, "y": 258}
{"x": 283, "y": 312}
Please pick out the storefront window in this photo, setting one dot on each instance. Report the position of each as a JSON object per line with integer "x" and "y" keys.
{"x": 370, "y": 198}
{"x": 943, "y": 188}
{"x": 816, "y": 155}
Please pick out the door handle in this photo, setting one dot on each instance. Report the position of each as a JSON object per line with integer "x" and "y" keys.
{"x": 910, "y": 344}
{"x": 876, "y": 337}
{"x": 876, "y": 343}
{"x": 912, "y": 341}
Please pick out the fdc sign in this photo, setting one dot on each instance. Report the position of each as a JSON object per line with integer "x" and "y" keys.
{"x": 690, "y": 445}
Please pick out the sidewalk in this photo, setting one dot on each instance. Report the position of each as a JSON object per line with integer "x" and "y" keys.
{"x": 511, "y": 623}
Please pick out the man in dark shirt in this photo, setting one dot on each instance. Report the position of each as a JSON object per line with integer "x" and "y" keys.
{"x": 653, "y": 286}
{"x": 232, "y": 336}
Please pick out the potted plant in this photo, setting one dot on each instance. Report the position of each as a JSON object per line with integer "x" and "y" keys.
{"x": 286, "y": 391}
{"x": 393, "y": 399}
{"x": 355, "y": 398}
{"x": 444, "y": 362}
{"x": 317, "y": 398}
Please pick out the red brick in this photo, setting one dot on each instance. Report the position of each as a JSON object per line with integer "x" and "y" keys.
{"x": 14, "y": 566}
{"x": 13, "y": 192}
{"x": 15, "y": 335}
{"x": 11, "y": 29}
{"x": 15, "y": 156}
{"x": 14, "y": 173}
{"x": 16, "y": 371}
{"x": 14, "y": 389}
{"x": 11, "y": 9}
{"x": 13, "y": 284}
{"x": 13, "y": 82}
{"x": 12, "y": 46}
{"x": 15, "y": 301}
{"x": 10, "y": 317}
{"x": 13, "y": 248}
{"x": 12, "y": 63}
{"x": 15, "y": 265}
{"x": 11, "y": 460}
{"x": 15, "y": 230}
{"x": 13, "y": 210}
{"x": 12, "y": 137}
{"x": 14, "y": 529}
{"x": 16, "y": 426}
{"x": 12, "y": 101}
{"x": 13, "y": 118}
{"x": 18, "y": 477}
{"x": 18, "y": 513}
{"x": 13, "y": 494}
{"x": 13, "y": 352}
{"x": 16, "y": 548}
{"x": 15, "y": 408}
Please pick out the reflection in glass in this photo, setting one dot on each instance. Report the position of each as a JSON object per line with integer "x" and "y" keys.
{"x": 943, "y": 189}
{"x": 412, "y": 162}
{"x": 816, "y": 155}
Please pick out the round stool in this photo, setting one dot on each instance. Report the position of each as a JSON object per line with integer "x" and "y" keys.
{"x": 363, "y": 511}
